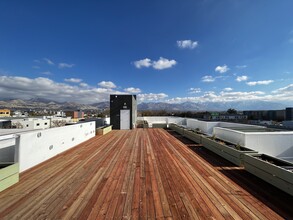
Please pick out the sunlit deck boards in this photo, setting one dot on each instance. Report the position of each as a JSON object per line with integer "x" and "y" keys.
{"x": 141, "y": 174}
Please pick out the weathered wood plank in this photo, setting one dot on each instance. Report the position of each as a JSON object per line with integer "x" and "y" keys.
{"x": 141, "y": 174}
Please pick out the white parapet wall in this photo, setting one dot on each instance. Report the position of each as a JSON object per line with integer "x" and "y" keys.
{"x": 226, "y": 134}
{"x": 205, "y": 127}
{"x": 38, "y": 146}
{"x": 278, "y": 144}
{"x": 163, "y": 120}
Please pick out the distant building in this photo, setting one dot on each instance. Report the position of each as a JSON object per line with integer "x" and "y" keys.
{"x": 5, "y": 113}
{"x": 289, "y": 114}
{"x": 30, "y": 123}
{"x": 100, "y": 122}
{"x": 123, "y": 111}
{"x": 267, "y": 115}
{"x": 75, "y": 115}
{"x": 228, "y": 117}
{"x": 19, "y": 114}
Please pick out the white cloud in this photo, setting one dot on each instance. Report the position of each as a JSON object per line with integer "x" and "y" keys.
{"x": 151, "y": 97}
{"x": 194, "y": 90}
{"x": 241, "y": 78}
{"x": 208, "y": 79}
{"x": 228, "y": 89}
{"x": 132, "y": 90}
{"x": 65, "y": 65}
{"x": 264, "y": 82}
{"x": 222, "y": 69}
{"x": 48, "y": 61}
{"x": 26, "y": 88}
{"x": 160, "y": 64}
{"x": 187, "y": 44}
{"x": 163, "y": 63}
{"x": 83, "y": 84}
{"x": 73, "y": 80}
{"x": 143, "y": 63}
{"x": 286, "y": 90}
{"x": 107, "y": 84}
{"x": 241, "y": 66}
{"x": 211, "y": 96}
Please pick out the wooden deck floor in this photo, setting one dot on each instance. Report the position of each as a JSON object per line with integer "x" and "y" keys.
{"x": 141, "y": 174}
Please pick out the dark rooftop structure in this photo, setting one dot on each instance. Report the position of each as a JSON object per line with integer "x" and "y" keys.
{"x": 123, "y": 111}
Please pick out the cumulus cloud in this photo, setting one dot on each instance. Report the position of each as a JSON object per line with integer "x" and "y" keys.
{"x": 189, "y": 44}
{"x": 48, "y": 61}
{"x": 241, "y": 78}
{"x": 65, "y": 65}
{"x": 150, "y": 97}
{"x": 228, "y": 89}
{"x": 107, "y": 84}
{"x": 263, "y": 82}
{"x": 160, "y": 64}
{"x": 222, "y": 69}
{"x": 194, "y": 90}
{"x": 208, "y": 79}
{"x": 83, "y": 84}
{"x": 211, "y": 96}
{"x": 143, "y": 63}
{"x": 73, "y": 80}
{"x": 26, "y": 88}
{"x": 132, "y": 90}
{"x": 163, "y": 63}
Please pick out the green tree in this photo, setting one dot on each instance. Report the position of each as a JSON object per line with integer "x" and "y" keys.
{"x": 231, "y": 111}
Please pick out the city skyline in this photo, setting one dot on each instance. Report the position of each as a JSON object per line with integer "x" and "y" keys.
{"x": 166, "y": 51}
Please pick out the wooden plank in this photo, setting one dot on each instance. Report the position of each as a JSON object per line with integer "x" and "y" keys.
{"x": 141, "y": 174}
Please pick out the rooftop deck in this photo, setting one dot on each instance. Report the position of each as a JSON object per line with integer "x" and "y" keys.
{"x": 140, "y": 174}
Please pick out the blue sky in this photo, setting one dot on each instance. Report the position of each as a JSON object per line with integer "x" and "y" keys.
{"x": 167, "y": 50}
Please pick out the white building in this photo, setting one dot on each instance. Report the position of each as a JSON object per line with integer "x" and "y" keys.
{"x": 31, "y": 123}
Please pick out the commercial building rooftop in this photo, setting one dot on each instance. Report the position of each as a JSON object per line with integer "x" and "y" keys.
{"x": 140, "y": 174}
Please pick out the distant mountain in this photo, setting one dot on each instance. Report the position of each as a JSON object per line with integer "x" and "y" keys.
{"x": 101, "y": 105}
{"x": 38, "y": 103}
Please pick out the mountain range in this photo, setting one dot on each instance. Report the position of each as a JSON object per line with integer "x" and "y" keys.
{"x": 39, "y": 103}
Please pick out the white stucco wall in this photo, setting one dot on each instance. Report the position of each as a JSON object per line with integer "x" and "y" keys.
{"x": 277, "y": 144}
{"x": 235, "y": 137}
{"x": 206, "y": 127}
{"x": 37, "y": 146}
{"x": 163, "y": 120}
